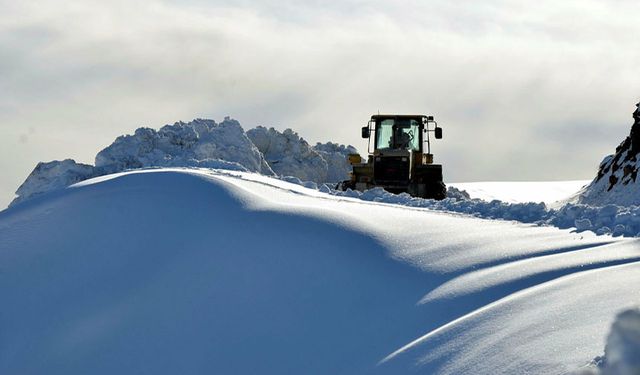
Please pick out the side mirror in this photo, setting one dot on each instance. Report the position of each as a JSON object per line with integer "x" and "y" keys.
{"x": 365, "y": 132}
{"x": 438, "y": 133}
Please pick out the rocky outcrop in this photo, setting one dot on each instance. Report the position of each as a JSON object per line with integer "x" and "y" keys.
{"x": 616, "y": 181}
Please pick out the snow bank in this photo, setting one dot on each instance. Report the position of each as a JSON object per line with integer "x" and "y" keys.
{"x": 610, "y": 219}
{"x": 335, "y": 155}
{"x": 288, "y": 154}
{"x": 199, "y": 143}
{"x": 616, "y": 182}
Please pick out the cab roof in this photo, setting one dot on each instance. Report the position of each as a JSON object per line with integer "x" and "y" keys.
{"x": 388, "y": 116}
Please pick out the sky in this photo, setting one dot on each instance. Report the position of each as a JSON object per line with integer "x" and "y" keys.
{"x": 522, "y": 90}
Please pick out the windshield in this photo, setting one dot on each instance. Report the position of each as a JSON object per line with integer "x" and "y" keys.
{"x": 398, "y": 134}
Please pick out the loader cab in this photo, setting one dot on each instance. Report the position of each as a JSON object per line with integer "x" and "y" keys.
{"x": 401, "y": 133}
{"x": 398, "y": 134}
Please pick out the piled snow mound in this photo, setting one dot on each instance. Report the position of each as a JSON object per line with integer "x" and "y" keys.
{"x": 616, "y": 179}
{"x": 199, "y": 143}
{"x": 288, "y": 154}
{"x": 336, "y": 157}
{"x": 51, "y": 176}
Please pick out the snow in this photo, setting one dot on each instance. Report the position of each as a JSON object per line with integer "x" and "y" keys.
{"x": 165, "y": 271}
{"x": 52, "y": 176}
{"x": 548, "y": 192}
{"x": 338, "y": 166}
{"x": 199, "y": 143}
{"x": 288, "y": 154}
{"x": 622, "y": 353}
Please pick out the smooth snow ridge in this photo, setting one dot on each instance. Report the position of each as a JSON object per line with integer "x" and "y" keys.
{"x": 167, "y": 271}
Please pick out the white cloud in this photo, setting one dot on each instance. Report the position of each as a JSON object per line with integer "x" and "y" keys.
{"x": 499, "y": 75}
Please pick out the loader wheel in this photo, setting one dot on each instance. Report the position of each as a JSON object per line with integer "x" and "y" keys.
{"x": 436, "y": 190}
{"x": 344, "y": 185}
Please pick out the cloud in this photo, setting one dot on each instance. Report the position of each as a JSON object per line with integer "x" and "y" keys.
{"x": 494, "y": 73}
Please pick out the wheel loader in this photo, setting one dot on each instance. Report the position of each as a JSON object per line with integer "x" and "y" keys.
{"x": 401, "y": 159}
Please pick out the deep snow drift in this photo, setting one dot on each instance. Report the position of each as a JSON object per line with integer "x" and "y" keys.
{"x": 187, "y": 271}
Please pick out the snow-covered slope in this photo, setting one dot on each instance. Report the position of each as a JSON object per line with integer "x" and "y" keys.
{"x": 183, "y": 271}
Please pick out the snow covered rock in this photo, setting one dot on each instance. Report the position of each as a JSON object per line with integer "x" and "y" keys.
{"x": 617, "y": 174}
{"x": 199, "y": 143}
{"x": 53, "y": 175}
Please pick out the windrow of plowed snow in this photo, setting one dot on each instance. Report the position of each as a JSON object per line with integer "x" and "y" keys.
{"x": 187, "y": 271}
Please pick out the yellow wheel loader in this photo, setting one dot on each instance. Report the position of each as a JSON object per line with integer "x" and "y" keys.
{"x": 401, "y": 160}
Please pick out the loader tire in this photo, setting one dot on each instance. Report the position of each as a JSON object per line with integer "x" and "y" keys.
{"x": 436, "y": 190}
